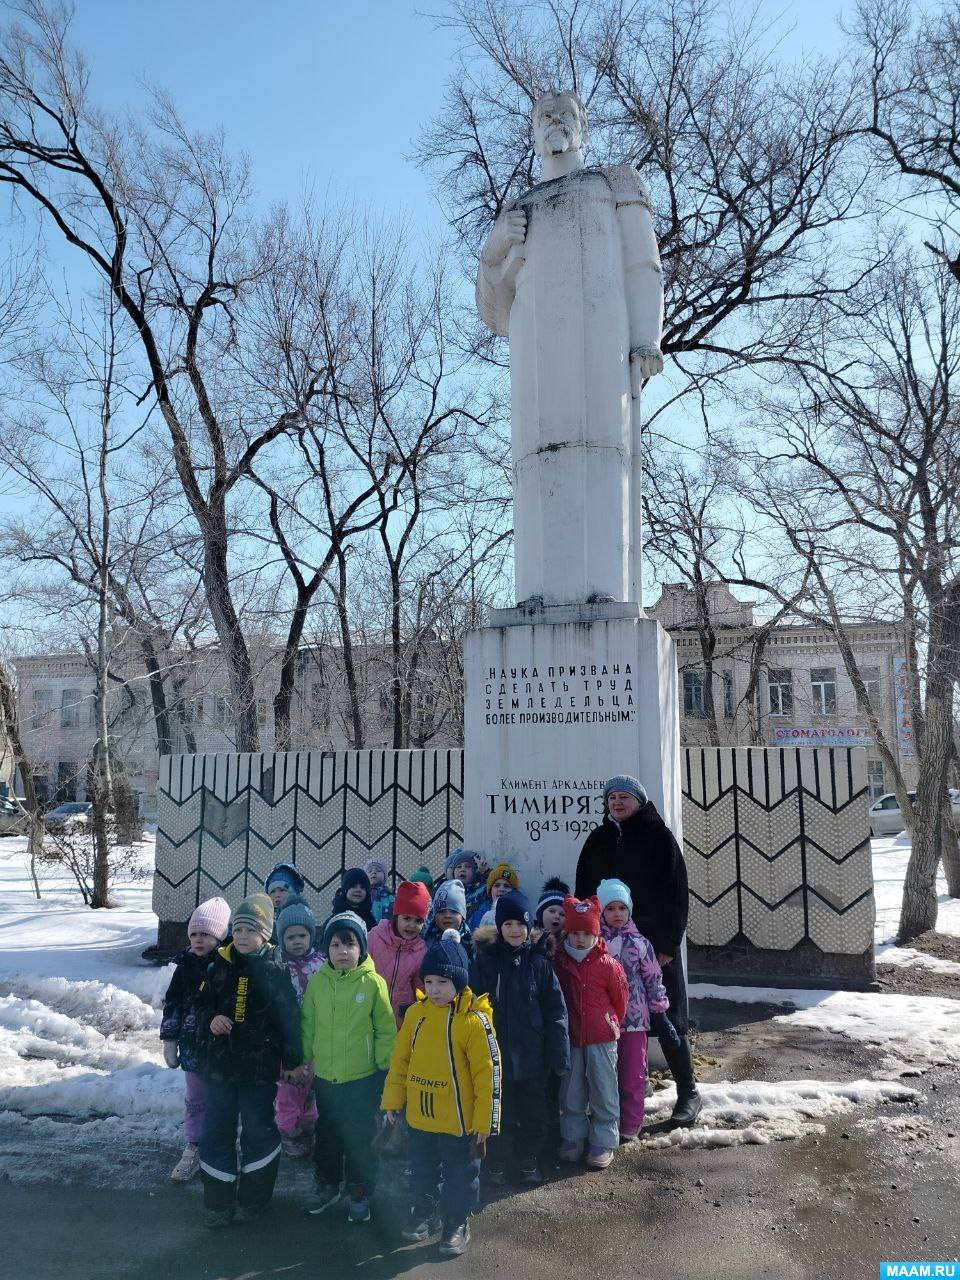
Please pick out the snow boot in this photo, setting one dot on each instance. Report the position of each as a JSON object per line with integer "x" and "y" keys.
{"x": 689, "y": 1105}
{"x": 570, "y": 1152}
{"x": 424, "y": 1222}
{"x": 676, "y": 1050}
{"x": 529, "y": 1175}
{"x": 326, "y": 1194}
{"x": 358, "y": 1209}
{"x": 250, "y": 1212}
{"x": 188, "y": 1165}
{"x": 456, "y": 1237}
{"x": 216, "y": 1219}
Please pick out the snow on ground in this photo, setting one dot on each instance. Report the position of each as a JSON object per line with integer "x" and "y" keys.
{"x": 910, "y": 957}
{"x": 758, "y": 1112}
{"x": 919, "y": 1031}
{"x": 81, "y": 1070}
{"x": 890, "y": 857}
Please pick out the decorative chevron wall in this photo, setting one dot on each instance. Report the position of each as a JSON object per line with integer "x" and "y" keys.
{"x": 224, "y": 820}
{"x": 777, "y": 844}
{"x": 777, "y": 841}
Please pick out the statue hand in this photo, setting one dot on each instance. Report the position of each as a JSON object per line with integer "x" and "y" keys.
{"x": 645, "y": 362}
{"x": 509, "y": 229}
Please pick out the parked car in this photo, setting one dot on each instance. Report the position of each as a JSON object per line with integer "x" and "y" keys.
{"x": 13, "y": 821}
{"x": 72, "y": 816}
{"x": 887, "y": 820}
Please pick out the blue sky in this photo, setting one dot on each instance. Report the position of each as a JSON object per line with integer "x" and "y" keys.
{"x": 329, "y": 92}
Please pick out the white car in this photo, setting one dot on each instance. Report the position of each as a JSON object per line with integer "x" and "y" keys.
{"x": 887, "y": 820}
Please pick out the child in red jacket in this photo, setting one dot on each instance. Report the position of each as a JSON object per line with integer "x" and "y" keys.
{"x": 595, "y": 989}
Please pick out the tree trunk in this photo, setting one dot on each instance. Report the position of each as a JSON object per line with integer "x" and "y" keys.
{"x": 918, "y": 912}
{"x": 216, "y": 580}
{"x": 158, "y": 696}
{"x": 950, "y": 851}
{"x": 288, "y": 671}
{"x": 349, "y": 666}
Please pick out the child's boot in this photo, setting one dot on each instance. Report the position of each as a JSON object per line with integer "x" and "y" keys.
{"x": 291, "y": 1145}
{"x": 599, "y": 1157}
{"x": 424, "y": 1221}
{"x": 570, "y": 1151}
{"x": 529, "y": 1174}
{"x": 325, "y": 1195}
{"x": 358, "y": 1209}
{"x": 188, "y": 1164}
{"x": 456, "y": 1237}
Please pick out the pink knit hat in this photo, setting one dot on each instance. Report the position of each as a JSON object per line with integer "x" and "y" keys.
{"x": 213, "y": 917}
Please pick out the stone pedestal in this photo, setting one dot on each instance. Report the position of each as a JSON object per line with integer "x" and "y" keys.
{"x": 558, "y": 699}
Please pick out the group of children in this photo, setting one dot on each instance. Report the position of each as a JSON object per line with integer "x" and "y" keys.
{"x": 521, "y": 1039}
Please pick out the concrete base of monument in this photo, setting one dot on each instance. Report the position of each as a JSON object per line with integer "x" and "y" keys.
{"x": 557, "y": 701}
{"x": 804, "y": 966}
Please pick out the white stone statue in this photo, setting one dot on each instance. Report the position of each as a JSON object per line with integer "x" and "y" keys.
{"x": 571, "y": 275}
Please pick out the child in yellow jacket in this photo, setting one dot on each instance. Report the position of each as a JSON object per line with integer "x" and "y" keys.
{"x": 445, "y": 1073}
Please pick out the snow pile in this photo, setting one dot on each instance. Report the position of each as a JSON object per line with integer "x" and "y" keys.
{"x": 759, "y": 1111}
{"x": 888, "y": 953}
{"x": 142, "y": 1090}
{"x": 99, "y": 1004}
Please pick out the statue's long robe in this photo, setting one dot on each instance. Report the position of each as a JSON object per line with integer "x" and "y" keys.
{"x": 566, "y": 315}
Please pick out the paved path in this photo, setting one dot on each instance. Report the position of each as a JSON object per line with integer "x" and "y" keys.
{"x": 793, "y": 1210}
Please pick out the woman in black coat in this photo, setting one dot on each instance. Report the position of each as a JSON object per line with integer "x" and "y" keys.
{"x": 635, "y": 845}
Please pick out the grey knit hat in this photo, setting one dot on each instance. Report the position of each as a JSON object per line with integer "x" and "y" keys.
{"x": 450, "y": 896}
{"x": 297, "y": 913}
{"x": 624, "y": 782}
{"x": 344, "y": 920}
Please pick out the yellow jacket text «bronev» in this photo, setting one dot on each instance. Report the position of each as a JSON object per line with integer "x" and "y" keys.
{"x": 445, "y": 1067}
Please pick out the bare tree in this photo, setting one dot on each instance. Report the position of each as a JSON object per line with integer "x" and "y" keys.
{"x": 868, "y": 432}
{"x": 161, "y": 217}
{"x": 906, "y": 69}
{"x": 752, "y": 166}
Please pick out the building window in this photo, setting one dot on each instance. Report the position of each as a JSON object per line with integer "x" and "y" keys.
{"x": 728, "y": 695}
{"x": 42, "y": 713}
{"x": 70, "y": 700}
{"x": 823, "y": 685}
{"x": 219, "y": 711}
{"x": 875, "y": 783}
{"x": 871, "y": 682}
{"x": 693, "y": 693}
{"x": 780, "y": 689}
{"x": 261, "y": 712}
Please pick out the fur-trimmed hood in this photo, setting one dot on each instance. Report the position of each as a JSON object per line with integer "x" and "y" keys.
{"x": 539, "y": 941}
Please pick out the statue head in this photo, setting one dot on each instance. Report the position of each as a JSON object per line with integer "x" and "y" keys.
{"x": 559, "y": 125}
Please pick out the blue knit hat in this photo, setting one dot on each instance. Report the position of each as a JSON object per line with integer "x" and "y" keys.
{"x": 624, "y": 782}
{"x": 460, "y": 855}
{"x": 338, "y": 923}
{"x": 614, "y": 891}
{"x": 446, "y": 958}
{"x": 297, "y": 913}
{"x": 450, "y": 896}
{"x": 285, "y": 873}
{"x": 512, "y": 906}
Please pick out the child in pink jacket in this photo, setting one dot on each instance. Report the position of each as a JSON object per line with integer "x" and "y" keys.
{"x": 396, "y": 947}
{"x": 295, "y": 1107}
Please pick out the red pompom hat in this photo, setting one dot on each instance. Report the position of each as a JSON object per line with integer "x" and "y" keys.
{"x": 413, "y": 899}
{"x": 581, "y": 916}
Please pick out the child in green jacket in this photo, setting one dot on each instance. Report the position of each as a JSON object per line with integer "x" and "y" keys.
{"x": 348, "y": 1034}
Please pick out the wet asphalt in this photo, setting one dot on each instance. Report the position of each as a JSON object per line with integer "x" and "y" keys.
{"x": 832, "y": 1206}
